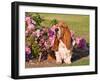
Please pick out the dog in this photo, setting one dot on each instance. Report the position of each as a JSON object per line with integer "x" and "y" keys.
{"x": 62, "y": 44}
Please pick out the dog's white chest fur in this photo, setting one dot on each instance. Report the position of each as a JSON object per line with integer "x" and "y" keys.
{"x": 62, "y": 47}
{"x": 63, "y": 53}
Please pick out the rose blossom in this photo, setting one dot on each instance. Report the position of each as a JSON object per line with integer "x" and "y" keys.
{"x": 27, "y": 50}
{"x": 26, "y": 33}
{"x": 30, "y": 23}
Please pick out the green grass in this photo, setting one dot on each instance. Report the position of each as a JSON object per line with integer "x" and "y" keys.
{"x": 82, "y": 61}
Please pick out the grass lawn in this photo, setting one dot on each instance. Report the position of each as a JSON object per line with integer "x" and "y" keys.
{"x": 78, "y": 23}
{"x": 83, "y": 61}
{"x": 80, "y": 62}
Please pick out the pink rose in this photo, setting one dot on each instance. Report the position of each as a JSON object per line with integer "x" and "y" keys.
{"x": 28, "y": 20}
{"x": 78, "y": 40}
{"x": 51, "y": 39}
{"x": 30, "y": 23}
{"x": 26, "y": 33}
{"x": 27, "y": 50}
{"x": 30, "y": 27}
{"x": 33, "y": 34}
{"x": 53, "y": 28}
{"x": 72, "y": 33}
{"x": 46, "y": 45}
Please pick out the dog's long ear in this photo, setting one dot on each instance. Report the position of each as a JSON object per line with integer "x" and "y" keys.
{"x": 62, "y": 25}
{"x": 56, "y": 44}
{"x": 65, "y": 34}
{"x": 67, "y": 37}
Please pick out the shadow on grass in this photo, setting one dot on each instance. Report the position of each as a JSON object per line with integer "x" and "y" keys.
{"x": 78, "y": 54}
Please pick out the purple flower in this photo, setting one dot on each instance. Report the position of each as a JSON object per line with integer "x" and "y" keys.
{"x": 51, "y": 33}
{"x": 53, "y": 28}
{"x": 51, "y": 39}
{"x": 81, "y": 42}
{"x": 51, "y": 36}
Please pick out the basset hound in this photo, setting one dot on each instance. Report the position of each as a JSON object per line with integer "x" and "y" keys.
{"x": 62, "y": 44}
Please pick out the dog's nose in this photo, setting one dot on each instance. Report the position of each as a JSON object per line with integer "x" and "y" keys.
{"x": 56, "y": 30}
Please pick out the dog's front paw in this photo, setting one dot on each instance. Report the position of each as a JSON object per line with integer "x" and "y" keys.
{"x": 69, "y": 62}
{"x": 59, "y": 62}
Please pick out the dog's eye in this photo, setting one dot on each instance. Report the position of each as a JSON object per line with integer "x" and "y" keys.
{"x": 56, "y": 30}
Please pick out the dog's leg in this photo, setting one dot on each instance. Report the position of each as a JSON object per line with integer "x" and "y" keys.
{"x": 58, "y": 57}
{"x": 63, "y": 55}
{"x": 67, "y": 57}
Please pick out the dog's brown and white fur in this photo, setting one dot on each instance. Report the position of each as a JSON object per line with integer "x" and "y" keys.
{"x": 62, "y": 44}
